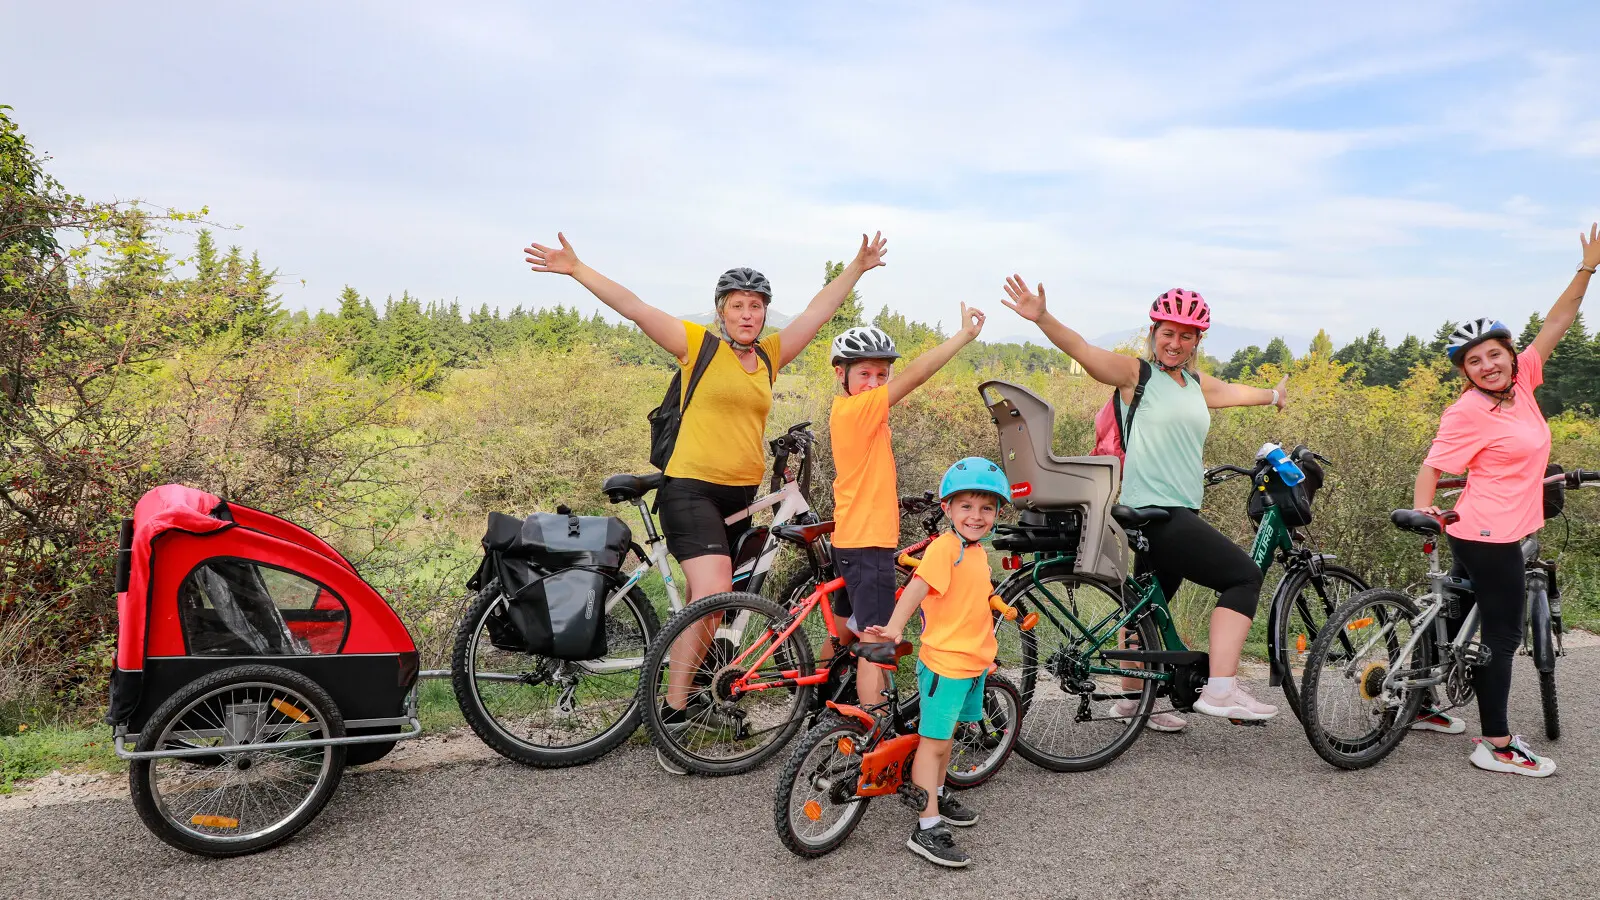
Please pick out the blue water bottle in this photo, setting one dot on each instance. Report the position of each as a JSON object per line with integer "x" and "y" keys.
{"x": 1280, "y": 461}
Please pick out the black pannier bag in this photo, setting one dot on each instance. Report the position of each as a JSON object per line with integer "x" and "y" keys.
{"x": 1555, "y": 494}
{"x": 1041, "y": 531}
{"x": 1294, "y": 503}
{"x": 557, "y": 570}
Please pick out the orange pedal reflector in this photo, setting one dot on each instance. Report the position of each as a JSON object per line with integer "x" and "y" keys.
{"x": 214, "y": 822}
{"x": 292, "y": 711}
{"x": 1362, "y": 622}
{"x": 1028, "y": 621}
{"x": 812, "y": 809}
{"x": 846, "y": 746}
{"x": 1300, "y": 643}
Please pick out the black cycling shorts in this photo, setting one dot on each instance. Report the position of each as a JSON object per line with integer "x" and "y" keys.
{"x": 692, "y": 514}
{"x": 868, "y": 574}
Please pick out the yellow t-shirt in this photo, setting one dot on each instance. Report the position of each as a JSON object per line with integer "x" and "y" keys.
{"x": 957, "y": 629}
{"x": 866, "y": 505}
{"x": 720, "y": 437}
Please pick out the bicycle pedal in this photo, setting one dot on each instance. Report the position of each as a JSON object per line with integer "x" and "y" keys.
{"x": 1476, "y": 654}
{"x": 913, "y": 796}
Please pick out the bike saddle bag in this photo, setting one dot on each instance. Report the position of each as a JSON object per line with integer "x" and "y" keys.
{"x": 1041, "y": 531}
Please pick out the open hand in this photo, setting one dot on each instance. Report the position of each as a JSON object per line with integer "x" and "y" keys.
{"x": 881, "y": 631}
{"x": 563, "y": 261}
{"x": 1283, "y": 393}
{"x": 971, "y": 321}
{"x": 870, "y": 256}
{"x": 1022, "y": 301}
{"x": 1591, "y": 246}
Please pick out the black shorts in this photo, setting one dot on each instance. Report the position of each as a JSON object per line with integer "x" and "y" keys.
{"x": 868, "y": 574}
{"x": 692, "y": 514}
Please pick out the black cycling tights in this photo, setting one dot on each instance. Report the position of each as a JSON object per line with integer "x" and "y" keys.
{"x": 1496, "y": 573}
{"x": 1185, "y": 547}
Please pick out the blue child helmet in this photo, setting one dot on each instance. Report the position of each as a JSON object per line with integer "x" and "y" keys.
{"x": 975, "y": 474}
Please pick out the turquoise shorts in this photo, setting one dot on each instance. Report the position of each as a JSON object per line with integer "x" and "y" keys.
{"x": 946, "y": 701}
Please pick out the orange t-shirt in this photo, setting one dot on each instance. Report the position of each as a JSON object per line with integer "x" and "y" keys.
{"x": 957, "y": 629}
{"x": 866, "y": 504}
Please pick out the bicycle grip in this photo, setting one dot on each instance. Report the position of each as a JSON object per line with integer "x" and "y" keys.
{"x": 999, "y": 606}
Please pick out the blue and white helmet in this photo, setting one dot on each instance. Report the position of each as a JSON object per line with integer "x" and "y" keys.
{"x": 1471, "y": 334}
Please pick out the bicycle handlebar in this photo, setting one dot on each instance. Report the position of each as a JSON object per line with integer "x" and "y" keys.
{"x": 1575, "y": 479}
{"x": 1219, "y": 474}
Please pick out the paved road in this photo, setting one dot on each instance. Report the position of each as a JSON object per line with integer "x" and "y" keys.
{"x": 1221, "y": 811}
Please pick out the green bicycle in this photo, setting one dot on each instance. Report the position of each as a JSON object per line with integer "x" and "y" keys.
{"x": 1104, "y": 635}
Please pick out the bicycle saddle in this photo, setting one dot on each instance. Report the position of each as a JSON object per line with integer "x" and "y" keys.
{"x": 1419, "y": 522}
{"x": 628, "y": 488}
{"x": 1128, "y": 517}
{"x": 802, "y": 534}
{"x": 881, "y": 653}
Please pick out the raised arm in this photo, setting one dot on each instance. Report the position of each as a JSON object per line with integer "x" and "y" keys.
{"x": 1103, "y": 366}
{"x": 1565, "y": 312}
{"x": 1223, "y": 394}
{"x": 922, "y": 368}
{"x": 803, "y": 328}
{"x": 657, "y": 325}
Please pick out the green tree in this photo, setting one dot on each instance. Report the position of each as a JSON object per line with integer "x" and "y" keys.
{"x": 1277, "y": 354}
{"x": 1241, "y": 364}
{"x": 1321, "y": 346}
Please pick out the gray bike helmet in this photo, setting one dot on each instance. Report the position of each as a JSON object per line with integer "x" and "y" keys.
{"x": 743, "y": 278}
{"x": 1471, "y": 334}
{"x": 863, "y": 342}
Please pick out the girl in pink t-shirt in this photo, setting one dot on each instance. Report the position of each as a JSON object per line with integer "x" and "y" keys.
{"x": 1497, "y": 435}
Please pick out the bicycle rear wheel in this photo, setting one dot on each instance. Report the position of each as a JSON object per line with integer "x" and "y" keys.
{"x": 544, "y": 712}
{"x": 1347, "y": 718}
{"x": 816, "y": 808}
{"x": 1068, "y": 725}
{"x": 981, "y": 748}
{"x": 721, "y": 731}
{"x": 1542, "y": 647}
{"x": 1301, "y": 604}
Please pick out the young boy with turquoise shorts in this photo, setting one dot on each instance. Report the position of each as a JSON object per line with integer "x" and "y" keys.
{"x": 866, "y": 500}
{"x": 952, "y": 588}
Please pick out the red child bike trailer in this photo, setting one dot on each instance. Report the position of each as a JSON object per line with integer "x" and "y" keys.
{"x": 253, "y": 663}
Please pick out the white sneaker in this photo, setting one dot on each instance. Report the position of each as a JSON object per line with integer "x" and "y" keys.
{"x": 1163, "y": 721}
{"x": 667, "y": 765}
{"x": 1434, "y": 720}
{"x": 1236, "y": 705}
{"x": 1514, "y": 757}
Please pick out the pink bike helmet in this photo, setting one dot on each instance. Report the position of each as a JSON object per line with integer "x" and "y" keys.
{"x": 1181, "y": 307}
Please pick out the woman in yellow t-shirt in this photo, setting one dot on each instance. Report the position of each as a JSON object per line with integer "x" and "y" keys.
{"x": 719, "y": 458}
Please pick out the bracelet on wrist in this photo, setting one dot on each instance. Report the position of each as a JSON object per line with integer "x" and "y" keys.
{"x": 1584, "y": 268}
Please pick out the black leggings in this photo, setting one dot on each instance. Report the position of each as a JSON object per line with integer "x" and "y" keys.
{"x": 1498, "y": 586}
{"x": 1185, "y": 547}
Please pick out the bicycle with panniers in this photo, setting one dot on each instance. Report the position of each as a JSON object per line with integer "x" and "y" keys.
{"x": 545, "y": 672}
{"x": 1384, "y": 653}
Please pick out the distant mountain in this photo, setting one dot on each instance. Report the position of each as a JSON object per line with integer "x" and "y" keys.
{"x": 1221, "y": 340}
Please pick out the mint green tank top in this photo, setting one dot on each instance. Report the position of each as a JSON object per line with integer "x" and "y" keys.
{"x": 1164, "y": 452}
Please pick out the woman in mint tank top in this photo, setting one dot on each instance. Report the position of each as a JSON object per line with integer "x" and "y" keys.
{"x": 1163, "y": 468}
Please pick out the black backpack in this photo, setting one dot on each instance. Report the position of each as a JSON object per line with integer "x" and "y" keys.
{"x": 666, "y": 418}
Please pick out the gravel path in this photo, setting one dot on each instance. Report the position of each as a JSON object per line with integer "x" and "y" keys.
{"x": 1220, "y": 811}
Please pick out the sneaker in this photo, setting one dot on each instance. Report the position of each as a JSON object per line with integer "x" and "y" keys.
{"x": 1162, "y": 721}
{"x": 1238, "y": 704}
{"x": 1514, "y": 757}
{"x": 667, "y": 765}
{"x": 954, "y": 812}
{"x": 938, "y": 846}
{"x": 1435, "y": 720}
{"x": 700, "y": 715}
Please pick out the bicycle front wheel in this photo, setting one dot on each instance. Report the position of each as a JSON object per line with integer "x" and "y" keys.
{"x": 695, "y": 714}
{"x": 817, "y": 807}
{"x": 544, "y": 712}
{"x": 1542, "y": 647}
{"x": 1304, "y": 600}
{"x": 1069, "y": 724}
{"x": 1351, "y": 718}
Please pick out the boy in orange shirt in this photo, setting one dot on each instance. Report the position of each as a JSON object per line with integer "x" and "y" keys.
{"x": 958, "y": 645}
{"x": 866, "y": 502}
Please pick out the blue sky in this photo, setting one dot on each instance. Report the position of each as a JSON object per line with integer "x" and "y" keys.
{"x": 1388, "y": 165}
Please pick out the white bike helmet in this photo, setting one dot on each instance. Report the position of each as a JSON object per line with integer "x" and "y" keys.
{"x": 1471, "y": 334}
{"x": 863, "y": 342}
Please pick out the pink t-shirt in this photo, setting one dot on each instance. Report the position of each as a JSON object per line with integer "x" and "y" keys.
{"x": 1504, "y": 453}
